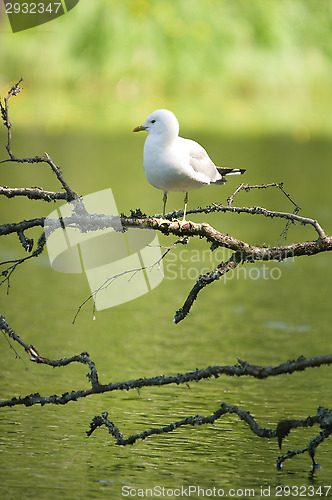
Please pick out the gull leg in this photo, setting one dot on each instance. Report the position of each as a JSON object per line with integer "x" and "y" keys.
{"x": 185, "y": 209}
{"x": 164, "y": 201}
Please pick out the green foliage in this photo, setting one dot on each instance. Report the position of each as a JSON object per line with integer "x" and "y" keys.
{"x": 241, "y": 65}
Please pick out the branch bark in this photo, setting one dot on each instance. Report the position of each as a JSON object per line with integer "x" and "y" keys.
{"x": 283, "y": 428}
{"x": 14, "y": 91}
{"x": 33, "y": 193}
{"x": 323, "y": 418}
{"x": 243, "y": 252}
{"x": 242, "y": 368}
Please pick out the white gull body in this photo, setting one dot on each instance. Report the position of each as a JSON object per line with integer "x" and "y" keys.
{"x": 172, "y": 163}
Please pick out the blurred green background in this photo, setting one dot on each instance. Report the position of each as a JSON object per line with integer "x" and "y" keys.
{"x": 233, "y": 66}
{"x": 251, "y": 80}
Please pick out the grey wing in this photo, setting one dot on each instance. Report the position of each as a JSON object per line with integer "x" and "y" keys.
{"x": 201, "y": 162}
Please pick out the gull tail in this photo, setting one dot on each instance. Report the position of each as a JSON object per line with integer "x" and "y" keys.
{"x": 228, "y": 171}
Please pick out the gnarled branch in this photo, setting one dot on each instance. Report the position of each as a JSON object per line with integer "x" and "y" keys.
{"x": 243, "y": 368}
{"x": 14, "y": 91}
{"x": 243, "y": 252}
{"x": 323, "y": 418}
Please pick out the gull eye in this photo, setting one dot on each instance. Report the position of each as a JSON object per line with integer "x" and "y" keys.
{"x": 153, "y": 121}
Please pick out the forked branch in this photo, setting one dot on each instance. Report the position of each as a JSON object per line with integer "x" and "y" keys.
{"x": 31, "y": 192}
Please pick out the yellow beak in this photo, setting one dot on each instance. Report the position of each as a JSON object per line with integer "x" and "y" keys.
{"x": 139, "y": 128}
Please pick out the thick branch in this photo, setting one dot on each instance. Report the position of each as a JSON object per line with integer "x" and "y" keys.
{"x": 247, "y": 210}
{"x": 33, "y": 193}
{"x": 323, "y": 418}
{"x": 15, "y": 227}
{"x": 192, "y": 420}
{"x": 249, "y": 253}
{"x": 241, "y": 369}
{"x": 243, "y": 252}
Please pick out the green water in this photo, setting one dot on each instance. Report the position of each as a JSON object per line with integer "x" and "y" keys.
{"x": 263, "y": 318}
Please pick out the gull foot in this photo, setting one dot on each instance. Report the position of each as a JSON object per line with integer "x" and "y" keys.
{"x": 163, "y": 221}
{"x": 184, "y": 224}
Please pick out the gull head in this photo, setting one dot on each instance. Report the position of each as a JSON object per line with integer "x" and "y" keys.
{"x": 162, "y": 123}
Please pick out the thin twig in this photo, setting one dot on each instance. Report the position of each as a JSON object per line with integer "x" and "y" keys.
{"x": 247, "y": 187}
{"x": 13, "y": 264}
{"x": 15, "y": 90}
{"x": 130, "y": 273}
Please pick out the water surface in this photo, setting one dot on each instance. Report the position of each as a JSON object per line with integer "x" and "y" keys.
{"x": 264, "y": 315}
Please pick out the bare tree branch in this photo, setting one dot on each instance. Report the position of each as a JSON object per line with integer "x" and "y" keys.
{"x": 322, "y": 418}
{"x": 247, "y": 187}
{"x": 14, "y": 91}
{"x": 33, "y": 193}
{"x": 11, "y": 265}
{"x": 216, "y": 207}
{"x": 243, "y": 252}
{"x": 15, "y": 227}
{"x": 207, "y": 279}
{"x": 241, "y": 369}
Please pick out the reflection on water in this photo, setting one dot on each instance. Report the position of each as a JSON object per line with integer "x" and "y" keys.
{"x": 282, "y": 325}
{"x": 263, "y": 321}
